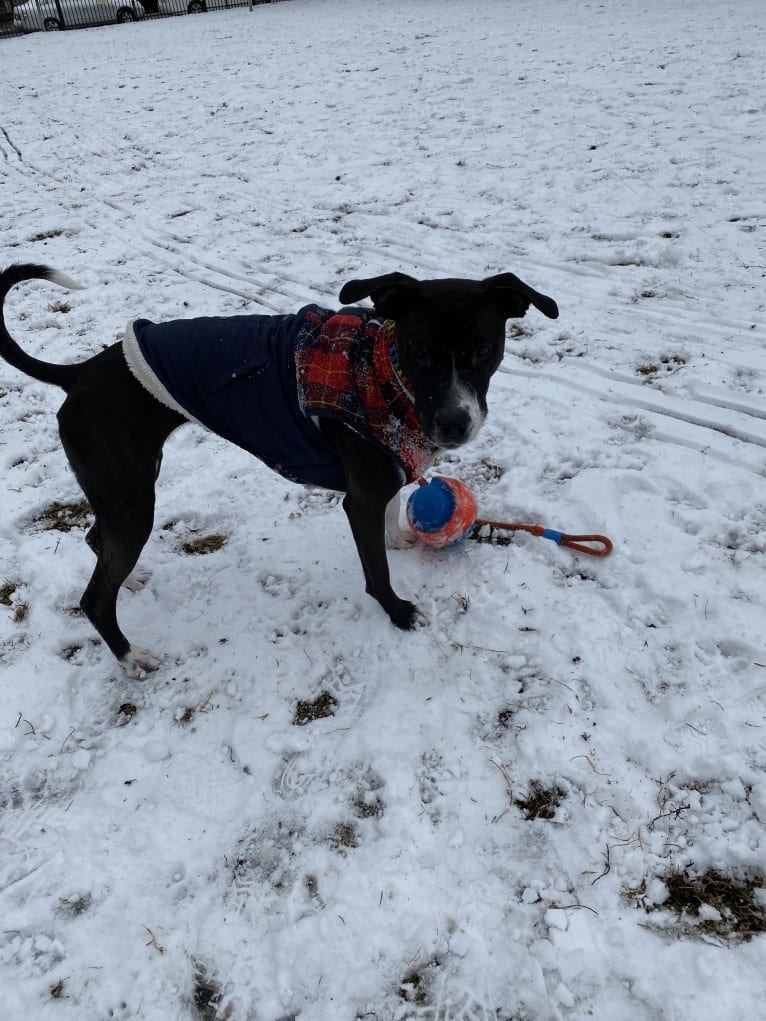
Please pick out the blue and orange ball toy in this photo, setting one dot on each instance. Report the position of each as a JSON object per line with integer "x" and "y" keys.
{"x": 442, "y": 512}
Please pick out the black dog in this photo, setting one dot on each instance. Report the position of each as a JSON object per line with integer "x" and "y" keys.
{"x": 417, "y": 368}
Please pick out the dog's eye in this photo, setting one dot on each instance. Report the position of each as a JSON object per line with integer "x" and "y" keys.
{"x": 483, "y": 351}
{"x": 421, "y": 353}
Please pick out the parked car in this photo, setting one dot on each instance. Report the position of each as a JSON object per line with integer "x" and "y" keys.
{"x": 195, "y": 6}
{"x": 51, "y": 15}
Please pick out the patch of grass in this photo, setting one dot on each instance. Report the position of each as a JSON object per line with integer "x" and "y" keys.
{"x": 205, "y": 544}
{"x": 63, "y": 517}
{"x": 505, "y": 716}
{"x": 712, "y": 904}
{"x": 489, "y": 470}
{"x": 541, "y": 802}
{"x": 20, "y": 608}
{"x": 483, "y": 471}
{"x": 516, "y": 331}
{"x": 416, "y": 985}
{"x": 187, "y": 715}
{"x": 344, "y": 837}
{"x": 582, "y": 574}
{"x": 490, "y": 536}
{"x": 207, "y": 994}
{"x": 672, "y": 362}
{"x": 306, "y": 712}
{"x": 312, "y": 886}
{"x": 666, "y": 364}
{"x": 73, "y": 907}
{"x": 367, "y": 803}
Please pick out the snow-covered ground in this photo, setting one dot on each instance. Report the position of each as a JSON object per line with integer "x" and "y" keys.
{"x": 550, "y": 802}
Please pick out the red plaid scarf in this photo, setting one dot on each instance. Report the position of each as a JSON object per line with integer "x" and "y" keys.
{"x": 347, "y": 369}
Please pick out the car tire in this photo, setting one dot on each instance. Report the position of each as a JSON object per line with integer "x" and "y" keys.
{"x": 124, "y": 15}
{"x": 52, "y": 25}
{"x": 196, "y": 7}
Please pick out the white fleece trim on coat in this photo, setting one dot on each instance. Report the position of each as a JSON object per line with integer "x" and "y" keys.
{"x": 143, "y": 372}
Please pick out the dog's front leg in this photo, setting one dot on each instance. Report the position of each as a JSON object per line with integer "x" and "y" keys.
{"x": 372, "y": 480}
{"x": 367, "y": 520}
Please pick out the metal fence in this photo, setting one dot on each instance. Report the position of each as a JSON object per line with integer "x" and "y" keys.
{"x": 18, "y": 17}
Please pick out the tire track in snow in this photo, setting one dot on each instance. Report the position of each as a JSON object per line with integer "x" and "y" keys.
{"x": 723, "y": 403}
{"x": 622, "y": 297}
{"x": 10, "y": 142}
{"x": 162, "y": 247}
{"x": 169, "y": 244}
{"x": 407, "y": 246}
{"x": 406, "y": 243}
{"x": 674, "y": 410}
{"x": 622, "y": 294}
{"x": 178, "y": 245}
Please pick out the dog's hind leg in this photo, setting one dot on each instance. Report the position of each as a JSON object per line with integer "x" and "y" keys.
{"x": 114, "y": 445}
{"x": 122, "y": 534}
{"x": 136, "y": 580}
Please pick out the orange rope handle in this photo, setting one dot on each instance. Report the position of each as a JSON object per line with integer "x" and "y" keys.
{"x": 593, "y": 545}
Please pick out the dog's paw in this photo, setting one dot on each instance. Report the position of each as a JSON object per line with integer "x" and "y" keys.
{"x": 138, "y": 662}
{"x": 136, "y": 580}
{"x": 407, "y": 615}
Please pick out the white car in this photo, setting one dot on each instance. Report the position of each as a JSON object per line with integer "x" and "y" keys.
{"x": 52, "y": 15}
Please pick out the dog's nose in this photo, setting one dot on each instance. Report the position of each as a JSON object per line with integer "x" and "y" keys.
{"x": 452, "y": 425}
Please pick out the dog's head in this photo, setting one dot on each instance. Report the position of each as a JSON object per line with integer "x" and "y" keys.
{"x": 450, "y": 338}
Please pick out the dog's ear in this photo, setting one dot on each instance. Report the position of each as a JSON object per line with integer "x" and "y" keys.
{"x": 515, "y": 297}
{"x": 392, "y": 294}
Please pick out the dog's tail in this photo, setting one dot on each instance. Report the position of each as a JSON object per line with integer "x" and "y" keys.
{"x": 60, "y": 375}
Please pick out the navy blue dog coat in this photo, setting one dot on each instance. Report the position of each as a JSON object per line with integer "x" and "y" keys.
{"x": 262, "y": 381}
